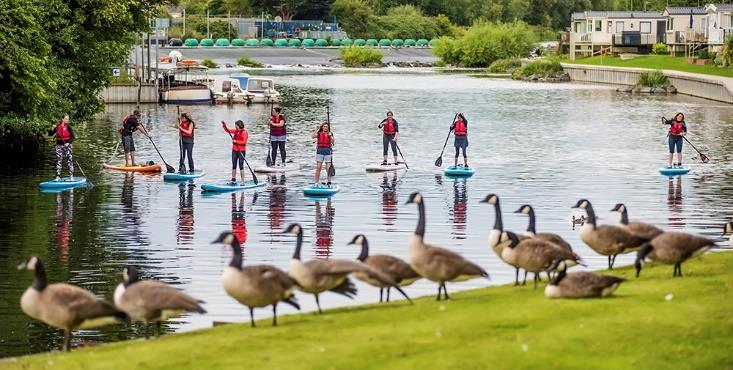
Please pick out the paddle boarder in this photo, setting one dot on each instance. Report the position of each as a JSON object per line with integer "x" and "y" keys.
{"x": 390, "y": 129}
{"x": 131, "y": 124}
{"x": 186, "y": 126}
{"x": 239, "y": 148}
{"x": 64, "y": 135}
{"x": 278, "y": 134}
{"x": 677, "y": 130}
{"x": 460, "y": 133}
{"x": 324, "y": 149}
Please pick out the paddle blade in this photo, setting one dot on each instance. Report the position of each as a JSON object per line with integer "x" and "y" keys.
{"x": 704, "y": 158}
{"x": 268, "y": 161}
{"x": 439, "y": 162}
{"x": 331, "y": 170}
{"x": 169, "y": 168}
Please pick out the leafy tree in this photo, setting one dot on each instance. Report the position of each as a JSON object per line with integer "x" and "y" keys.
{"x": 241, "y": 8}
{"x": 485, "y": 43}
{"x": 353, "y": 15}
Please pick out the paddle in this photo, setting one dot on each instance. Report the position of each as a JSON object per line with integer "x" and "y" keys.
{"x": 254, "y": 178}
{"x": 403, "y": 157}
{"x": 439, "y": 161}
{"x": 89, "y": 184}
{"x": 331, "y": 169}
{"x": 180, "y": 136}
{"x": 270, "y": 161}
{"x": 703, "y": 157}
{"x": 168, "y": 167}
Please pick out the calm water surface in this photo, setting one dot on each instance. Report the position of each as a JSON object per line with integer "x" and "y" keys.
{"x": 546, "y": 145}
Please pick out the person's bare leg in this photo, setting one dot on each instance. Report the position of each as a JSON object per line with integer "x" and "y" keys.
{"x": 328, "y": 173}
{"x": 679, "y": 158}
{"x": 132, "y": 158}
{"x": 318, "y": 172}
{"x": 241, "y": 175}
{"x": 669, "y": 160}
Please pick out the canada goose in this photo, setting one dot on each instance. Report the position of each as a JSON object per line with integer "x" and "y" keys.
{"x": 435, "y": 263}
{"x": 644, "y": 230}
{"x": 64, "y": 306}
{"x": 495, "y": 234}
{"x": 255, "y": 286}
{"x": 532, "y": 232}
{"x": 728, "y": 229}
{"x": 319, "y": 275}
{"x": 151, "y": 301}
{"x": 397, "y": 269}
{"x": 581, "y": 284}
{"x": 536, "y": 255}
{"x": 607, "y": 240}
{"x": 673, "y": 248}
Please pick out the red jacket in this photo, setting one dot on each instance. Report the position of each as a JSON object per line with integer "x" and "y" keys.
{"x": 240, "y": 138}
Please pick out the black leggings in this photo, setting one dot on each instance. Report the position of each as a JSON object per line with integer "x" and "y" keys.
{"x": 186, "y": 151}
{"x": 458, "y": 149}
{"x": 238, "y": 159}
{"x": 275, "y": 145}
{"x": 389, "y": 139}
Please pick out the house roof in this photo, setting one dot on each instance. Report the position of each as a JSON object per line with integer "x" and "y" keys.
{"x": 685, "y": 10}
{"x": 724, "y": 7}
{"x": 615, "y": 14}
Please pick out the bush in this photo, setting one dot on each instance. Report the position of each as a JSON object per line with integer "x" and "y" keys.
{"x": 245, "y": 61}
{"x": 728, "y": 51}
{"x": 659, "y": 48}
{"x": 704, "y": 54}
{"x": 653, "y": 79}
{"x": 355, "y": 57}
{"x": 486, "y": 42}
{"x": 539, "y": 68}
{"x": 209, "y": 63}
{"x": 505, "y": 65}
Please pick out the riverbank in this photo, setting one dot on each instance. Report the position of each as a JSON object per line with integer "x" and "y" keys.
{"x": 655, "y": 321}
{"x": 665, "y": 62}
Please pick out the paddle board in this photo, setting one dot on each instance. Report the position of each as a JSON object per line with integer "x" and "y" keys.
{"x": 321, "y": 190}
{"x": 177, "y": 176}
{"x": 277, "y": 169}
{"x": 673, "y": 171}
{"x": 135, "y": 168}
{"x": 227, "y": 186}
{"x": 386, "y": 167}
{"x": 65, "y": 182}
{"x": 459, "y": 171}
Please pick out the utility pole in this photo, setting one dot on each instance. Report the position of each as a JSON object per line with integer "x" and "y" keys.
{"x": 229, "y": 25}
{"x": 184, "y": 22}
{"x": 208, "y": 34}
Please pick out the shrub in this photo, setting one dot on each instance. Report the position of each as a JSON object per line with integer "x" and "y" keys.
{"x": 209, "y": 63}
{"x": 355, "y": 56}
{"x": 505, "y": 65}
{"x": 653, "y": 79}
{"x": 728, "y": 51}
{"x": 659, "y": 48}
{"x": 245, "y": 61}
{"x": 704, "y": 54}
{"x": 485, "y": 43}
{"x": 540, "y": 68}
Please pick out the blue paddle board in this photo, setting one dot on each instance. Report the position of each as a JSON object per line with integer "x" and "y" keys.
{"x": 321, "y": 190}
{"x": 62, "y": 183}
{"x": 459, "y": 171}
{"x": 228, "y": 186}
{"x": 177, "y": 176}
{"x": 674, "y": 171}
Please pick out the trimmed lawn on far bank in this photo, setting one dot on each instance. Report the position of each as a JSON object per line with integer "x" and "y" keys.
{"x": 654, "y": 322}
{"x": 656, "y": 62}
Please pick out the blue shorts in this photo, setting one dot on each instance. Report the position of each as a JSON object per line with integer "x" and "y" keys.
{"x": 675, "y": 142}
{"x": 323, "y": 154}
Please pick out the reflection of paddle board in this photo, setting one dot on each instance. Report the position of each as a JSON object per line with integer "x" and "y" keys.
{"x": 63, "y": 183}
{"x": 177, "y": 176}
{"x": 459, "y": 171}
{"x": 386, "y": 167}
{"x": 321, "y": 190}
{"x": 277, "y": 169}
{"x": 227, "y": 186}
{"x": 136, "y": 168}
{"x": 673, "y": 171}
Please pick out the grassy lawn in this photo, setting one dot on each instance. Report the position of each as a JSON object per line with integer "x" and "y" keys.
{"x": 497, "y": 327}
{"x": 656, "y": 62}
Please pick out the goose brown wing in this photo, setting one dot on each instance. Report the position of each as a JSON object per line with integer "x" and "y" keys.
{"x": 554, "y": 238}
{"x": 271, "y": 275}
{"x": 644, "y": 230}
{"x": 589, "y": 283}
{"x": 619, "y": 236}
{"x": 156, "y": 295}
{"x": 441, "y": 258}
{"x": 394, "y": 267}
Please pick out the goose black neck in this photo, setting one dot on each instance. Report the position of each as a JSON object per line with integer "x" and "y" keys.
{"x": 624, "y": 217}
{"x": 298, "y": 245}
{"x": 420, "y": 229}
{"x": 236, "y": 261}
{"x": 498, "y": 224}
{"x": 591, "y": 215}
{"x": 41, "y": 282}
{"x": 364, "y": 251}
{"x": 560, "y": 275}
{"x": 531, "y": 227}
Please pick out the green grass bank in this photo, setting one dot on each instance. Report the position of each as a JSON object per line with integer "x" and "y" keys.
{"x": 496, "y": 327}
{"x": 656, "y": 62}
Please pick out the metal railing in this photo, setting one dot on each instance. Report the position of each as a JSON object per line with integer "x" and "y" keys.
{"x": 637, "y": 39}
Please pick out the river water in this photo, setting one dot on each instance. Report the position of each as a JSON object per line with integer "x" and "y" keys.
{"x": 546, "y": 145}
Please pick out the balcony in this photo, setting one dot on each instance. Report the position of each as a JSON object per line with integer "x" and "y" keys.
{"x": 598, "y": 38}
{"x": 636, "y": 39}
{"x": 682, "y": 37}
{"x": 719, "y": 35}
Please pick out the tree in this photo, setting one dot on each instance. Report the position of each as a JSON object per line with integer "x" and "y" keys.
{"x": 353, "y": 16}
{"x": 239, "y": 8}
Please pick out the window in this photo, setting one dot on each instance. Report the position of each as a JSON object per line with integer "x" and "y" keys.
{"x": 670, "y": 24}
{"x": 609, "y": 28}
{"x": 645, "y": 27}
{"x": 619, "y": 27}
{"x": 599, "y": 25}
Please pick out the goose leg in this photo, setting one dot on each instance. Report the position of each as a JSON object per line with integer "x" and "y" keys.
{"x": 158, "y": 329}
{"x": 679, "y": 269}
{"x": 274, "y": 314}
{"x": 380, "y": 294}
{"x": 252, "y": 316}
{"x": 610, "y": 264}
{"x": 440, "y": 286}
{"x": 536, "y": 277}
{"x": 318, "y": 303}
{"x": 445, "y": 291}
{"x": 516, "y": 276}
{"x": 67, "y": 340}
{"x": 524, "y": 282}
{"x": 549, "y": 278}
{"x": 147, "y": 334}
{"x": 388, "y": 289}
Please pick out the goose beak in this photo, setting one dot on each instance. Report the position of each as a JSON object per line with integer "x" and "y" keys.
{"x": 22, "y": 266}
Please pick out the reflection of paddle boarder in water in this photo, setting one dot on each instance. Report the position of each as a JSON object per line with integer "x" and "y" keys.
{"x": 677, "y": 131}
{"x": 239, "y": 221}
{"x": 184, "y": 225}
{"x": 460, "y": 198}
{"x": 389, "y": 199}
{"x": 674, "y": 202}
{"x": 324, "y": 229}
{"x": 64, "y": 216}
{"x": 276, "y": 213}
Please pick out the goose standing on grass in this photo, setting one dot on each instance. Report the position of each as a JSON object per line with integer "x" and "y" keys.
{"x": 673, "y": 248}
{"x": 536, "y": 255}
{"x": 495, "y": 234}
{"x": 607, "y": 240}
{"x": 397, "y": 269}
{"x": 644, "y": 230}
{"x": 581, "y": 284}
{"x": 150, "y": 301}
{"x": 434, "y": 263}
{"x": 532, "y": 231}
{"x": 319, "y": 275}
{"x": 728, "y": 229}
{"x": 64, "y": 306}
{"x": 255, "y": 286}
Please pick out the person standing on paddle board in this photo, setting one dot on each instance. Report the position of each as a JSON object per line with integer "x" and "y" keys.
{"x": 324, "y": 149}
{"x": 239, "y": 148}
{"x": 460, "y": 132}
{"x": 390, "y": 129}
{"x": 186, "y": 126}
{"x": 131, "y": 124}
{"x": 278, "y": 134}
{"x": 677, "y": 130}
{"x": 64, "y": 135}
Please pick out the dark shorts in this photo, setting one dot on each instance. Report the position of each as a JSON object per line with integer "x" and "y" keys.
{"x": 461, "y": 141}
{"x": 128, "y": 144}
{"x": 675, "y": 142}
{"x": 238, "y": 159}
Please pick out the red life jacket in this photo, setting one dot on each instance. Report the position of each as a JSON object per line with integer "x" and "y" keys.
{"x": 185, "y": 125}
{"x": 63, "y": 133}
{"x": 460, "y": 129}
{"x": 324, "y": 140}
{"x": 388, "y": 127}
{"x": 240, "y": 139}
{"x": 676, "y": 128}
{"x": 277, "y": 131}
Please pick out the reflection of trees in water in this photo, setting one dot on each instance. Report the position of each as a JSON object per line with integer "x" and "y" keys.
{"x": 64, "y": 216}
{"x": 674, "y": 202}
{"x": 185, "y": 221}
{"x": 276, "y": 212}
{"x": 239, "y": 222}
{"x": 389, "y": 199}
{"x": 324, "y": 229}
{"x": 458, "y": 213}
